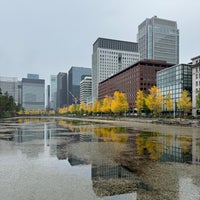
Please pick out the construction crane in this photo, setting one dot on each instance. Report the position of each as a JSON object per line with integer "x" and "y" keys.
{"x": 75, "y": 98}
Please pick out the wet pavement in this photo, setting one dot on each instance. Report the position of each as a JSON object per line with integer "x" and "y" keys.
{"x": 59, "y": 159}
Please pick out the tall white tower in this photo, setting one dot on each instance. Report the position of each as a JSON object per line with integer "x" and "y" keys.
{"x": 110, "y": 57}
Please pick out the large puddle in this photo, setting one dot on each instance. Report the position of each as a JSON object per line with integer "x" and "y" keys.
{"x": 63, "y": 160}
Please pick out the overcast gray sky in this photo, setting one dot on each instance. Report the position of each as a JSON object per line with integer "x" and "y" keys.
{"x": 50, "y": 36}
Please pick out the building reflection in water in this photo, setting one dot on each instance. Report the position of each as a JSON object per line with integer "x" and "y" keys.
{"x": 25, "y": 137}
{"x": 114, "y": 181}
{"x": 108, "y": 179}
{"x": 168, "y": 147}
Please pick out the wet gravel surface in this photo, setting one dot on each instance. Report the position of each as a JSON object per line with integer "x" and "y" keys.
{"x": 35, "y": 164}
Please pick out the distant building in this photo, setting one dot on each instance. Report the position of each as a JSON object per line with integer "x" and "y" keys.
{"x": 10, "y": 85}
{"x": 86, "y": 89}
{"x": 139, "y": 76}
{"x": 53, "y": 89}
{"x": 33, "y": 76}
{"x": 195, "y": 84}
{"x": 19, "y": 92}
{"x": 61, "y": 90}
{"x": 75, "y": 75}
{"x": 33, "y": 93}
{"x": 174, "y": 80}
{"x": 110, "y": 57}
{"x": 158, "y": 39}
{"x": 48, "y": 97}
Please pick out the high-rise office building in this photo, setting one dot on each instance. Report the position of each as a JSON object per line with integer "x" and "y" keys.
{"x": 48, "y": 97}
{"x": 75, "y": 75}
{"x": 10, "y": 85}
{"x": 86, "y": 89}
{"x": 109, "y": 57}
{"x": 33, "y": 76}
{"x": 53, "y": 89}
{"x": 158, "y": 39}
{"x": 33, "y": 93}
{"x": 61, "y": 90}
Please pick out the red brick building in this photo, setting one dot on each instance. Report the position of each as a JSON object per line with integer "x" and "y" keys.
{"x": 139, "y": 76}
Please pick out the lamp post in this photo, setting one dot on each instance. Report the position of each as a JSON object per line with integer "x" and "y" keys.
{"x": 174, "y": 108}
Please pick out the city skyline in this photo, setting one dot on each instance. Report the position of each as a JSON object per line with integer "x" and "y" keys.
{"x": 49, "y": 37}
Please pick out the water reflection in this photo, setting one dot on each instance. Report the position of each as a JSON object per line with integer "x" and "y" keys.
{"x": 120, "y": 162}
{"x": 151, "y": 145}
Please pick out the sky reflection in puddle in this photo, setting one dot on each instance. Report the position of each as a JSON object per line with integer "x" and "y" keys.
{"x": 102, "y": 162}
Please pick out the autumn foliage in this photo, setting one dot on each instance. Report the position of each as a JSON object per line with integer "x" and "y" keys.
{"x": 184, "y": 103}
{"x": 154, "y": 100}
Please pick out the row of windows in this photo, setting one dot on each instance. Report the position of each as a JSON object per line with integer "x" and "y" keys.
{"x": 117, "y": 57}
{"x": 197, "y": 83}
{"x": 197, "y": 69}
{"x": 116, "y": 53}
{"x": 114, "y": 64}
{"x": 197, "y": 76}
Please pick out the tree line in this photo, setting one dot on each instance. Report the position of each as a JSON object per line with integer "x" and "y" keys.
{"x": 157, "y": 103}
{"x": 116, "y": 104}
{"x": 8, "y": 107}
{"x": 153, "y": 102}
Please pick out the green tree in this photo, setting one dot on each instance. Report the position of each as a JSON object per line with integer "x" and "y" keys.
{"x": 8, "y": 106}
{"x": 198, "y": 100}
{"x": 184, "y": 102}
{"x": 140, "y": 101}
{"x": 154, "y": 100}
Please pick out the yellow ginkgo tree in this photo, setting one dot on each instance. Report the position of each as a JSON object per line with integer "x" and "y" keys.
{"x": 119, "y": 103}
{"x": 169, "y": 102}
{"x": 184, "y": 102}
{"x": 154, "y": 100}
{"x": 140, "y": 101}
{"x": 106, "y": 104}
{"x": 71, "y": 108}
{"x": 96, "y": 107}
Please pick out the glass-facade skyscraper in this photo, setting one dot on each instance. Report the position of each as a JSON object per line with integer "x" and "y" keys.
{"x": 75, "y": 75}
{"x": 61, "y": 90}
{"x": 174, "y": 80}
{"x": 158, "y": 39}
{"x": 33, "y": 93}
{"x": 53, "y": 89}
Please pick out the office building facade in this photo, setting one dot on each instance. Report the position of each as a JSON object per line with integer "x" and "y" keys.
{"x": 139, "y": 76}
{"x": 110, "y": 57}
{"x": 158, "y": 39}
{"x": 86, "y": 89}
{"x": 33, "y": 93}
{"x": 53, "y": 92}
{"x": 75, "y": 75}
{"x": 10, "y": 85}
{"x": 61, "y": 90}
{"x": 48, "y": 97}
{"x": 174, "y": 80}
{"x": 195, "y": 84}
{"x": 33, "y": 76}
